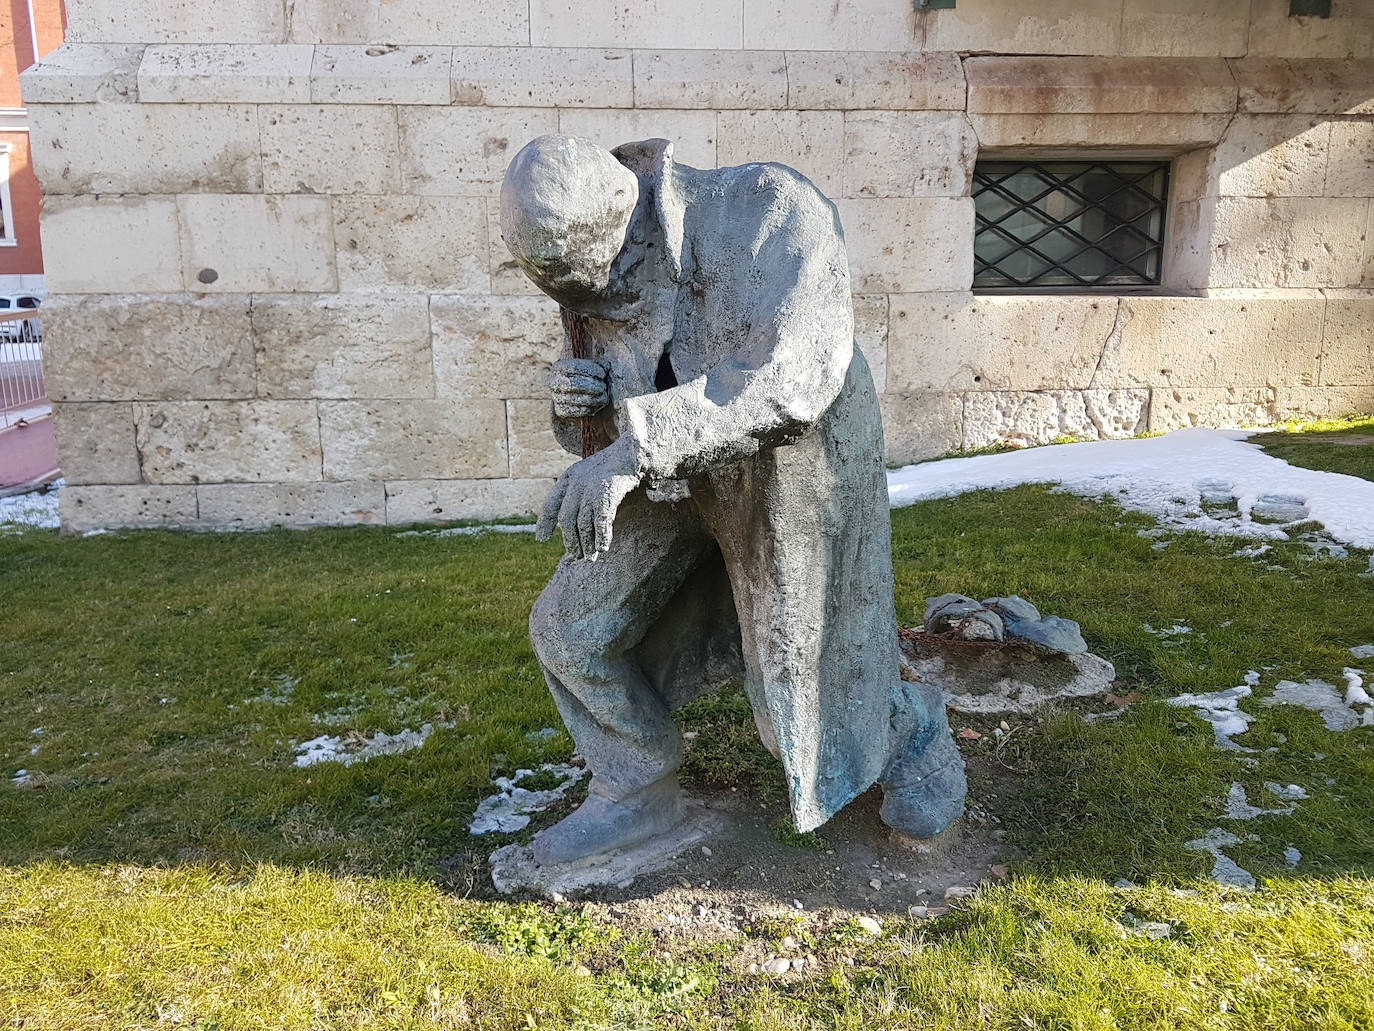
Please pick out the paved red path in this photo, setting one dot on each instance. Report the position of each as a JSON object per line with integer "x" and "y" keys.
{"x": 27, "y": 453}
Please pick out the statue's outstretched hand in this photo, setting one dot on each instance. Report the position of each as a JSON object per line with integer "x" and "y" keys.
{"x": 585, "y": 499}
{"x": 579, "y": 387}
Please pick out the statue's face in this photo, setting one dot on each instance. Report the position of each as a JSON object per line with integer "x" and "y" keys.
{"x": 566, "y": 211}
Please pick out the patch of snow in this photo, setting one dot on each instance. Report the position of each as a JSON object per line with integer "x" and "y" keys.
{"x": 1355, "y": 694}
{"x": 1292, "y": 856}
{"x": 1252, "y": 677}
{"x": 37, "y": 508}
{"x": 22, "y": 778}
{"x": 1318, "y": 696}
{"x": 1363, "y": 651}
{"x": 468, "y": 531}
{"x": 1224, "y": 868}
{"x": 1253, "y": 551}
{"x": 1164, "y": 477}
{"x": 1177, "y": 630}
{"x": 1290, "y": 793}
{"x": 356, "y": 748}
{"x": 1238, "y": 808}
{"x": 278, "y": 693}
{"x": 1222, "y": 710}
{"x": 509, "y": 809}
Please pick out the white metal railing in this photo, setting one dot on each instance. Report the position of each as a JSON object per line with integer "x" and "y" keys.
{"x": 23, "y": 395}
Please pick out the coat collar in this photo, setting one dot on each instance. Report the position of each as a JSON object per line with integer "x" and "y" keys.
{"x": 661, "y": 179}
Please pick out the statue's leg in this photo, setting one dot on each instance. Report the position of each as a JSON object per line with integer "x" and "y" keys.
{"x": 584, "y": 629}
{"x": 924, "y": 784}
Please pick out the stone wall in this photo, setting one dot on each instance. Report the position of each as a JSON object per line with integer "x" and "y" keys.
{"x": 280, "y": 294}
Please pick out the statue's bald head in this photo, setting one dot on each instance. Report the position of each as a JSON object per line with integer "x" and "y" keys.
{"x": 565, "y": 207}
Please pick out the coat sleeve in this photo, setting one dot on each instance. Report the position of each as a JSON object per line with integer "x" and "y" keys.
{"x": 787, "y": 368}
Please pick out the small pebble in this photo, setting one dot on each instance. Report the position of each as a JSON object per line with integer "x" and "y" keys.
{"x": 796, "y": 904}
{"x": 777, "y": 966}
{"x": 917, "y": 912}
{"x": 870, "y": 925}
{"x": 875, "y": 884}
{"x": 788, "y": 943}
{"x": 798, "y": 963}
{"x": 960, "y": 891}
{"x": 705, "y": 850}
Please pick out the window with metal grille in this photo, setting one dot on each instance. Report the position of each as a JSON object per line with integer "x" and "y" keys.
{"x": 1084, "y": 224}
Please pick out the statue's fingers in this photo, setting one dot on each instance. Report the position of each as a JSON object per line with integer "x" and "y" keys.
{"x": 548, "y": 518}
{"x": 586, "y": 524}
{"x": 567, "y": 521}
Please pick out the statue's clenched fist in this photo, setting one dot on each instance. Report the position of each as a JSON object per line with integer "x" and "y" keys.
{"x": 579, "y": 387}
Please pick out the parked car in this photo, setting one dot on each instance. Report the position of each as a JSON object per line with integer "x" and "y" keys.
{"x": 20, "y": 329}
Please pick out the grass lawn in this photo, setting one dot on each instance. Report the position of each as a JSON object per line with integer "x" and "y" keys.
{"x": 1336, "y": 445}
{"x": 168, "y": 866}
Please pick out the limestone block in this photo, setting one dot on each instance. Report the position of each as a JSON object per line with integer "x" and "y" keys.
{"x": 110, "y": 347}
{"x": 1367, "y": 278}
{"x": 1098, "y": 85}
{"x": 1048, "y": 27}
{"x": 330, "y": 148}
{"x": 428, "y": 501}
{"x": 1305, "y": 403}
{"x": 82, "y": 508}
{"x": 257, "y": 506}
{"x": 252, "y": 243}
{"x": 1039, "y": 417}
{"x": 1317, "y": 85}
{"x": 506, "y": 276}
{"x": 534, "y": 451}
{"x": 86, "y": 241}
{"x": 1185, "y": 28}
{"x": 1176, "y": 408}
{"x": 1287, "y": 241}
{"x": 961, "y": 341}
{"x": 908, "y": 154}
{"x": 175, "y": 21}
{"x": 850, "y": 80}
{"x": 696, "y": 24}
{"x": 720, "y": 79}
{"x": 1350, "y": 163}
{"x": 825, "y": 25}
{"x": 219, "y": 441}
{"x": 162, "y": 148}
{"x": 1272, "y": 155}
{"x": 1188, "y": 244}
{"x": 1218, "y": 341}
{"x": 870, "y": 333}
{"x": 918, "y": 426}
{"x": 80, "y": 73}
{"x": 542, "y": 77}
{"x": 222, "y": 73}
{"x": 457, "y": 151}
{"x": 1191, "y": 177}
{"x": 1348, "y": 338}
{"x": 1349, "y": 32}
{"x": 344, "y": 74}
{"x": 806, "y": 140}
{"x": 343, "y": 346}
{"x": 423, "y": 22}
{"x": 905, "y": 245}
{"x": 1086, "y": 131}
{"x": 693, "y": 132}
{"x": 389, "y": 243}
{"x": 493, "y": 347}
{"x": 408, "y": 440}
{"x": 95, "y": 442}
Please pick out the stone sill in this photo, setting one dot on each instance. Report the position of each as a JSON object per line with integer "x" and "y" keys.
{"x": 524, "y": 76}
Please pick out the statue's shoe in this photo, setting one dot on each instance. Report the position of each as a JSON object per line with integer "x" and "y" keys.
{"x": 924, "y": 787}
{"x": 602, "y": 824}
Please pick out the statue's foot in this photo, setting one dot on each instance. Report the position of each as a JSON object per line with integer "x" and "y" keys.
{"x": 601, "y": 824}
{"x": 924, "y": 788}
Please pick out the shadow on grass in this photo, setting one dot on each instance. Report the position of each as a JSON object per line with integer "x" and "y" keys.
{"x": 163, "y": 679}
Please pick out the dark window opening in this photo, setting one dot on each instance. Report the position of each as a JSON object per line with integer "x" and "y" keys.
{"x": 1084, "y": 224}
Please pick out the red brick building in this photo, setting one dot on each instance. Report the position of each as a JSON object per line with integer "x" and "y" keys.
{"x": 28, "y": 30}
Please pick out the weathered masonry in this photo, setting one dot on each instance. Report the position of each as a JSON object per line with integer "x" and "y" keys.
{"x": 280, "y": 295}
